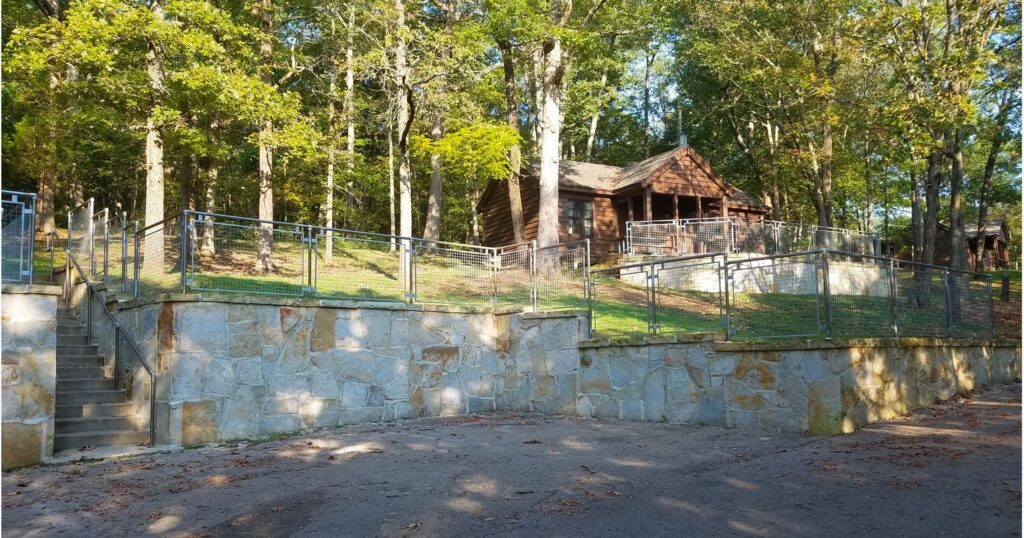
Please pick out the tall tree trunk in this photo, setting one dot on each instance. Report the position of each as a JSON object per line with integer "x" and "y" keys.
{"x": 328, "y": 210}
{"x": 405, "y": 115}
{"x": 208, "y": 246}
{"x": 957, "y": 245}
{"x": 435, "y": 200}
{"x": 515, "y": 198}
{"x": 592, "y": 133}
{"x": 648, "y": 64}
{"x": 265, "y": 246}
{"x": 153, "y": 262}
{"x": 391, "y": 179}
{"x": 474, "y": 198}
{"x": 550, "y": 123}
{"x": 916, "y": 217}
{"x": 932, "y": 187}
{"x": 986, "y": 183}
{"x": 868, "y": 192}
{"x": 350, "y": 109}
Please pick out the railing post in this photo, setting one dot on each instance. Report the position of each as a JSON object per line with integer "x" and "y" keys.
{"x": 893, "y": 308}
{"x": 135, "y": 261}
{"x": 828, "y": 294}
{"x": 728, "y": 310}
{"x": 117, "y": 356}
{"x": 183, "y": 252}
{"x": 652, "y": 307}
{"x": 106, "y": 247}
{"x": 124, "y": 252}
{"x": 495, "y": 257}
{"x": 991, "y": 308}
{"x": 949, "y": 302}
{"x": 535, "y": 294}
{"x": 312, "y": 263}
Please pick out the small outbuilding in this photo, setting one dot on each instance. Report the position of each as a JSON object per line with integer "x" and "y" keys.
{"x": 595, "y": 201}
{"x": 997, "y": 239}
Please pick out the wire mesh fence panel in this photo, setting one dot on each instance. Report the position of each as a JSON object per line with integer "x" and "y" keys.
{"x": 100, "y": 247}
{"x": 843, "y": 240}
{"x": 971, "y": 305}
{"x": 755, "y": 237}
{"x": 513, "y": 274}
{"x": 116, "y": 251}
{"x": 80, "y": 234}
{"x": 17, "y": 213}
{"x": 248, "y": 256}
{"x": 653, "y": 238}
{"x": 158, "y": 253}
{"x": 705, "y": 236}
{"x": 792, "y": 237}
{"x": 620, "y": 301}
{"x": 688, "y": 297}
{"x": 448, "y": 273}
{"x": 920, "y": 301}
{"x": 356, "y": 265}
{"x": 560, "y": 276}
{"x": 860, "y": 295}
{"x": 775, "y": 297}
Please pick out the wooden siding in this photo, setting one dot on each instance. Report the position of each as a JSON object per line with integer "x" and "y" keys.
{"x": 686, "y": 178}
{"x": 498, "y": 217}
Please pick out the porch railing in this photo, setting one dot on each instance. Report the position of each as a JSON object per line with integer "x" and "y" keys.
{"x": 735, "y": 235}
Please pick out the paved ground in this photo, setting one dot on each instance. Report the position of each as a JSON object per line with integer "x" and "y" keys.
{"x": 954, "y": 469}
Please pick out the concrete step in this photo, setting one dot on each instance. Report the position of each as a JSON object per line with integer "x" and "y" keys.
{"x": 81, "y": 339}
{"x": 86, "y": 349}
{"x": 96, "y": 424}
{"x": 65, "y": 441}
{"x": 71, "y": 330}
{"x": 73, "y": 397}
{"x": 124, "y": 409}
{"x": 70, "y": 361}
{"x": 80, "y": 372}
{"x": 77, "y": 384}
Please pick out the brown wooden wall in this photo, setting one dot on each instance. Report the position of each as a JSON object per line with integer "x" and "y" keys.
{"x": 687, "y": 178}
{"x": 498, "y": 217}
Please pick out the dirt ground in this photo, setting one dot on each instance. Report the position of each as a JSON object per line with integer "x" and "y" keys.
{"x": 952, "y": 470}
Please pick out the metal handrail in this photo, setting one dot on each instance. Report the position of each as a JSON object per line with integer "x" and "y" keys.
{"x": 659, "y": 261}
{"x": 119, "y": 332}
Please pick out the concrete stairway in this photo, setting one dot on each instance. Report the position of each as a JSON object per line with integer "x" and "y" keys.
{"x": 91, "y": 411}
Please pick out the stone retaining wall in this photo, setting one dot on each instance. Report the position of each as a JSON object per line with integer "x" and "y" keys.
{"x": 28, "y": 323}
{"x": 818, "y": 387}
{"x": 228, "y": 368}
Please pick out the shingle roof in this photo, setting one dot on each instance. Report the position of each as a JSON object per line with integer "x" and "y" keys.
{"x": 577, "y": 174}
{"x": 992, "y": 227}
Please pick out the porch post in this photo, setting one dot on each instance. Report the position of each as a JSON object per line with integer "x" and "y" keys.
{"x": 700, "y": 208}
{"x": 675, "y": 207}
{"x": 725, "y": 206}
{"x": 629, "y": 205}
{"x": 648, "y": 210}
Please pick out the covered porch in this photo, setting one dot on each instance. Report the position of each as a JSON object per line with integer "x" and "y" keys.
{"x": 649, "y": 205}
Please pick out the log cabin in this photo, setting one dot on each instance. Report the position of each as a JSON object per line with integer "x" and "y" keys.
{"x": 595, "y": 201}
{"x": 997, "y": 238}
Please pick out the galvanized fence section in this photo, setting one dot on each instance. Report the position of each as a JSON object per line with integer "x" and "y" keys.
{"x": 837, "y": 294}
{"x": 98, "y": 262}
{"x": 247, "y": 255}
{"x": 736, "y": 235}
{"x": 359, "y": 265}
{"x": 158, "y": 263}
{"x": 453, "y": 273}
{"x": 80, "y": 234}
{"x": 560, "y": 276}
{"x": 18, "y": 216}
{"x": 676, "y": 296}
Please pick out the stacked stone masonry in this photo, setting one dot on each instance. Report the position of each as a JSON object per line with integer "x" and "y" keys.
{"x": 28, "y": 323}
{"x": 231, "y": 368}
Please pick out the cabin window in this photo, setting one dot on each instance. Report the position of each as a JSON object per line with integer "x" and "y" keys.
{"x": 580, "y": 217}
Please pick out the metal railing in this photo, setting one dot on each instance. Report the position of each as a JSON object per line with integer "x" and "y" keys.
{"x": 80, "y": 233}
{"x": 670, "y": 296}
{"x": 736, "y": 235}
{"x": 812, "y": 294}
{"x": 18, "y": 216}
{"x": 113, "y": 337}
{"x": 199, "y": 251}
